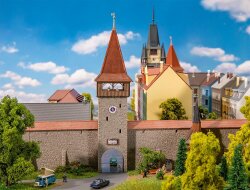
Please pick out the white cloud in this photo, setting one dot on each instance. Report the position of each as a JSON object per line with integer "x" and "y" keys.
{"x": 133, "y": 62}
{"x": 238, "y": 9}
{"x": 90, "y": 45}
{"x": 19, "y": 80}
{"x": 10, "y": 48}
{"x": 8, "y": 86}
{"x": 49, "y": 67}
{"x": 226, "y": 67}
{"x": 189, "y": 68}
{"x": 80, "y": 78}
{"x": 242, "y": 69}
{"x": 215, "y": 53}
{"x": 248, "y": 30}
{"x": 23, "y": 97}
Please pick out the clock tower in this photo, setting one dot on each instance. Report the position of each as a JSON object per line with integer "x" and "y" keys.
{"x": 113, "y": 89}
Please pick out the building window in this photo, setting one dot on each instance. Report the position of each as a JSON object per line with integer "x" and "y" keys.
{"x": 206, "y": 92}
{"x": 195, "y": 99}
{"x": 153, "y": 52}
{"x": 107, "y": 118}
{"x": 120, "y": 105}
{"x": 206, "y": 102}
{"x": 195, "y": 91}
{"x": 120, "y": 131}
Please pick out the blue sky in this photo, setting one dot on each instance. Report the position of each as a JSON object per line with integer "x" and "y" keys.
{"x": 47, "y": 45}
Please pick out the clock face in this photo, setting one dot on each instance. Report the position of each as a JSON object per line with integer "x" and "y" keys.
{"x": 112, "y": 109}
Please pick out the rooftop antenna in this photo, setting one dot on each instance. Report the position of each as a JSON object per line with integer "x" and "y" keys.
{"x": 153, "y": 16}
{"x": 113, "y": 16}
{"x": 171, "y": 40}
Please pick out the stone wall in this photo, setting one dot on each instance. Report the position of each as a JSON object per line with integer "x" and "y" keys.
{"x": 57, "y": 147}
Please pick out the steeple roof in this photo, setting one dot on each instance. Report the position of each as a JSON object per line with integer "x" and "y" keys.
{"x": 113, "y": 68}
{"x": 153, "y": 37}
{"x": 172, "y": 60}
{"x": 144, "y": 52}
{"x": 163, "y": 53}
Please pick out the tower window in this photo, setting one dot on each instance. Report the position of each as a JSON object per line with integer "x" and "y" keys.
{"x": 107, "y": 118}
{"x": 153, "y": 52}
{"x": 120, "y": 105}
{"x": 120, "y": 131}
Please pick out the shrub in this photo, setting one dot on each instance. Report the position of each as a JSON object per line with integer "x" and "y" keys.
{"x": 160, "y": 174}
{"x": 172, "y": 183}
{"x": 150, "y": 159}
{"x": 75, "y": 168}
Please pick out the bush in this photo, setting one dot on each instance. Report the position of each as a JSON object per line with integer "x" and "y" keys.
{"x": 75, "y": 168}
{"x": 142, "y": 184}
{"x": 150, "y": 159}
{"x": 160, "y": 174}
{"x": 172, "y": 183}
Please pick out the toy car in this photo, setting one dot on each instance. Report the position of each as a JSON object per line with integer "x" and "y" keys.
{"x": 99, "y": 183}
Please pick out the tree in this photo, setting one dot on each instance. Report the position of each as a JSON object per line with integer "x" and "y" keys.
{"x": 181, "y": 158}
{"x": 88, "y": 98}
{"x": 172, "y": 109}
{"x": 242, "y": 137}
{"x": 150, "y": 159}
{"x": 246, "y": 108}
{"x": 132, "y": 101}
{"x": 223, "y": 168}
{"x": 201, "y": 172}
{"x": 212, "y": 115}
{"x": 203, "y": 112}
{"x": 237, "y": 178}
{"x": 16, "y": 155}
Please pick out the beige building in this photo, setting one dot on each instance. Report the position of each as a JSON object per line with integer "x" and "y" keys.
{"x": 233, "y": 98}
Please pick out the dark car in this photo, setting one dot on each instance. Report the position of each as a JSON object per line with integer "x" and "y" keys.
{"x": 99, "y": 183}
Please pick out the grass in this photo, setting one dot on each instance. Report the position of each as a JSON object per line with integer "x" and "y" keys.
{"x": 150, "y": 183}
{"x": 26, "y": 186}
{"x": 131, "y": 116}
{"x": 133, "y": 172}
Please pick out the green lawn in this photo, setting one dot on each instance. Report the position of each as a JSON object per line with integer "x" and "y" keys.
{"x": 149, "y": 183}
{"x": 26, "y": 186}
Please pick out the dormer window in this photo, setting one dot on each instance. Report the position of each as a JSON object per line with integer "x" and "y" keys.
{"x": 153, "y": 52}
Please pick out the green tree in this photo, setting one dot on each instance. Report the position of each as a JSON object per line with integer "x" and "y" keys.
{"x": 201, "y": 172}
{"x": 88, "y": 98}
{"x": 223, "y": 168}
{"x": 242, "y": 137}
{"x": 203, "y": 112}
{"x": 132, "y": 101}
{"x": 150, "y": 159}
{"x": 246, "y": 108}
{"x": 181, "y": 158}
{"x": 172, "y": 109}
{"x": 237, "y": 178}
{"x": 16, "y": 155}
{"x": 212, "y": 115}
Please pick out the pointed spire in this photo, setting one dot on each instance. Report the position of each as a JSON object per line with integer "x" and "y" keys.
{"x": 113, "y": 16}
{"x": 113, "y": 68}
{"x": 153, "y": 16}
{"x": 171, "y": 40}
{"x": 163, "y": 53}
{"x": 172, "y": 60}
{"x": 144, "y": 52}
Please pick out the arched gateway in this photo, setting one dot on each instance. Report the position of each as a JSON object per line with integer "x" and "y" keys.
{"x": 112, "y": 161}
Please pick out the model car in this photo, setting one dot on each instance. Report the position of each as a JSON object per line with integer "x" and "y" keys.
{"x": 99, "y": 183}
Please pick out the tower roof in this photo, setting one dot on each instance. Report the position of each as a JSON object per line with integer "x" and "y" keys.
{"x": 153, "y": 37}
{"x": 172, "y": 59}
{"x": 144, "y": 52}
{"x": 163, "y": 53}
{"x": 113, "y": 68}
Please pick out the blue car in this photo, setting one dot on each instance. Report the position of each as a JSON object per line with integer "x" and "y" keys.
{"x": 44, "y": 181}
{"x": 99, "y": 183}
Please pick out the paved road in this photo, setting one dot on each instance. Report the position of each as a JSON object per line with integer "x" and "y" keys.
{"x": 83, "y": 184}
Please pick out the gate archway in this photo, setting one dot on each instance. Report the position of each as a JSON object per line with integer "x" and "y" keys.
{"x": 112, "y": 161}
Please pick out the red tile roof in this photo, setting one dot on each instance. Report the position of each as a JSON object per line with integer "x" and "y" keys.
{"x": 113, "y": 68}
{"x": 59, "y": 94}
{"x": 137, "y": 125}
{"x": 172, "y": 60}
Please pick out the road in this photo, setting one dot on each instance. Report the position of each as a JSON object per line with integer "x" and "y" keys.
{"x": 83, "y": 184}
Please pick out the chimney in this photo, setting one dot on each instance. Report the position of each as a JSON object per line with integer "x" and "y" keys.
{"x": 208, "y": 75}
{"x": 193, "y": 75}
{"x": 246, "y": 81}
{"x": 237, "y": 81}
{"x": 196, "y": 127}
{"x": 161, "y": 66}
{"x": 146, "y": 74}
